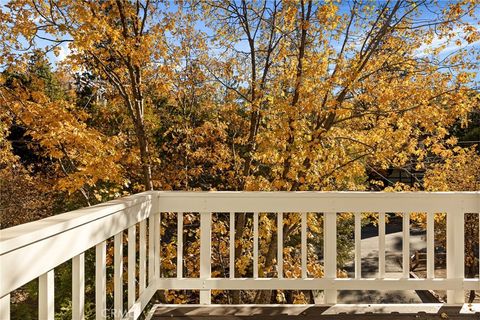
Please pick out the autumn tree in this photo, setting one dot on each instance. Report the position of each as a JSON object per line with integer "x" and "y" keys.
{"x": 123, "y": 42}
{"x": 241, "y": 95}
{"x": 72, "y": 156}
{"x": 459, "y": 170}
{"x": 331, "y": 91}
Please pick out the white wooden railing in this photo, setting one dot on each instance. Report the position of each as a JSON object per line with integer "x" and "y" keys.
{"x": 34, "y": 249}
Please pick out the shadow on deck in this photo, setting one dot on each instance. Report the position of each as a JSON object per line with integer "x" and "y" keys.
{"x": 340, "y": 312}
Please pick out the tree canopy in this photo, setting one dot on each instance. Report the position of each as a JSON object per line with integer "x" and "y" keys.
{"x": 234, "y": 95}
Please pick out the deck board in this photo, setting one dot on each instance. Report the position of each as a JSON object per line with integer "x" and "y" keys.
{"x": 340, "y": 312}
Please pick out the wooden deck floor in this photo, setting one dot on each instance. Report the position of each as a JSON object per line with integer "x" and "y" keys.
{"x": 340, "y": 312}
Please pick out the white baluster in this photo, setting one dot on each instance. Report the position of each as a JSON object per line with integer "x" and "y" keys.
{"x": 330, "y": 254}
{"x": 280, "y": 245}
{"x": 142, "y": 267}
{"x": 255, "y": 244}
{"x": 205, "y": 253}
{"x": 78, "y": 287}
{"x": 46, "y": 296}
{"x": 132, "y": 261}
{"x": 304, "y": 245}
{"x": 157, "y": 245}
{"x": 381, "y": 245}
{"x": 151, "y": 250}
{"x": 180, "y": 245}
{"x": 5, "y": 307}
{"x": 358, "y": 245}
{"x": 118, "y": 275}
{"x": 232, "y": 245}
{"x": 101, "y": 281}
{"x": 406, "y": 245}
{"x": 430, "y": 245}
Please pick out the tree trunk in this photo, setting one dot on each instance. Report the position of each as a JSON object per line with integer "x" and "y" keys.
{"x": 144, "y": 154}
{"x": 146, "y": 166}
{"x": 306, "y": 13}
{"x": 265, "y": 296}
{"x": 241, "y": 219}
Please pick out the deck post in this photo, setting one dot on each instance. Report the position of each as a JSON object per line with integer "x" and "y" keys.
{"x": 455, "y": 254}
{"x": 330, "y": 253}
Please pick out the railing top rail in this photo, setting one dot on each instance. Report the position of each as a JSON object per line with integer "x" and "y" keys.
{"x": 195, "y": 201}
{"x": 170, "y": 193}
{"x": 318, "y": 201}
{"x": 24, "y": 234}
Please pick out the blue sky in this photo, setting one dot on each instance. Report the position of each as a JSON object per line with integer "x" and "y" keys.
{"x": 344, "y": 7}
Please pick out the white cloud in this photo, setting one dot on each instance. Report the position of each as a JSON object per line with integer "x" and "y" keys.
{"x": 63, "y": 53}
{"x": 450, "y": 45}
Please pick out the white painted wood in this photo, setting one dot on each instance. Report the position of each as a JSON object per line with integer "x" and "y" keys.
{"x": 5, "y": 307}
{"x": 232, "y": 245}
{"x": 142, "y": 264}
{"x": 330, "y": 253}
{"x": 406, "y": 244}
{"x": 131, "y": 265}
{"x": 24, "y": 234}
{"x": 255, "y": 244}
{"x": 384, "y": 310}
{"x": 280, "y": 245}
{"x": 205, "y": 253}
{"x": 46, "y": 296}
{"x": 97, "y": 223}
{"x": 157, "y": 245}
{"x": 381, "y": 244}
{"x": 143, "y": 300}
{"x": 118, "y": 275}
{"x": 101, "y": 281}
{"x": 316, "y": 284}
{"x": 430, "y": 245}
{"x": 151, "y": 250}
{"x": 180, "y": 245}
{"x": 307, "y": 201}
{"x": 78, "y": 287}
{"x": 358, "y": 245}
{"x": 61, "y": 247}
{"x": 304, "y": 245}
{"x": 294, "y": 311}
{"x": 455, "y": 254}
{"x": 56, "y": 238}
